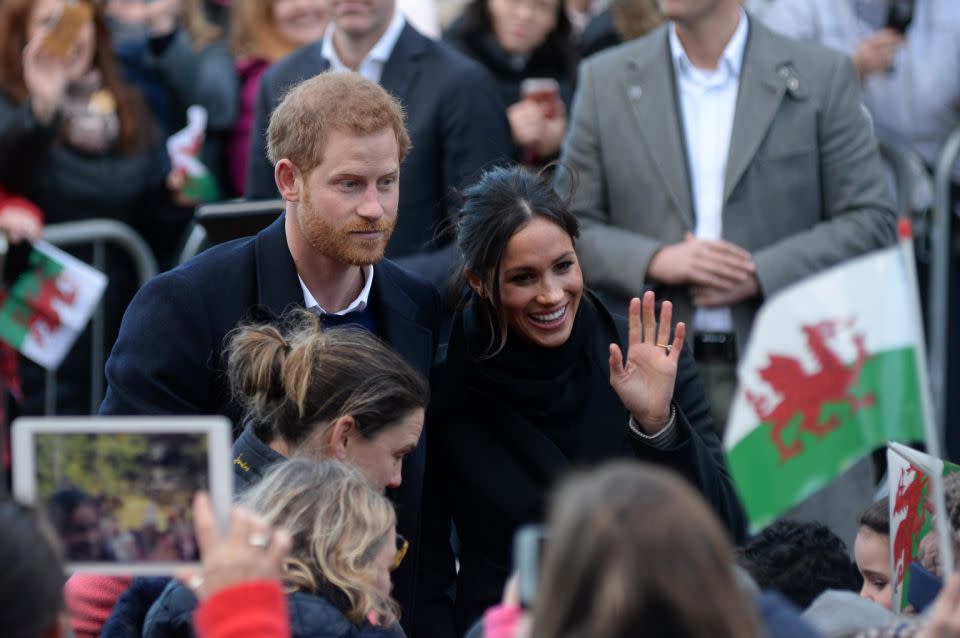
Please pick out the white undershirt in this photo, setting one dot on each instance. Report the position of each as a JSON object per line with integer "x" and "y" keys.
{"x": 357, "y": 305}
{"x": 372, "y": 65}
{"x": 708, "y": 101}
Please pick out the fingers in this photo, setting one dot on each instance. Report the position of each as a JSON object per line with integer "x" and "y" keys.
{"x": 616, "y": 362}
{"x": 945, "y": 616}
{"x": 666, "y": 316}
{"x": 634, "y": 332}
{"x": 648, "y": 317}
{"x": 279, "y": 549}
{"x": 203, "y": 522}
{"x": 678, "y": 337}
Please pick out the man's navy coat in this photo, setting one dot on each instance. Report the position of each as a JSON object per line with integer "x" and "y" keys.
{"x": 168, "y": 358}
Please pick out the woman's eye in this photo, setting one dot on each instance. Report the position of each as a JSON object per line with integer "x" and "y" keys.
{"x": 521, "y": 279}
{"x": 564, "y": 266}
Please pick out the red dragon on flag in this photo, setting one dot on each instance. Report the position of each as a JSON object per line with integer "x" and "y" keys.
{"x": 806, "y": 393}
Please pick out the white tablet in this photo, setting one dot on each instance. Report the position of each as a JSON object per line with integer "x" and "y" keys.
{"x": 118, "y": 490}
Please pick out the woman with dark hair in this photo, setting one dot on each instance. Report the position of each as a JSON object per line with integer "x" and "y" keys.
{"x": 78, "y": 142}
{"x": 634, "y": 551}
{"x": 517, "y": 41}
{"x": 534, "y": 382}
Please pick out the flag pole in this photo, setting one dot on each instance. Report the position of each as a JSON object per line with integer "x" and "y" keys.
{"x": 905, "y": 232}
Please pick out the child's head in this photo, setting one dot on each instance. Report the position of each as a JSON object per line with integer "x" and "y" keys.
{"x": 872, "y": 552}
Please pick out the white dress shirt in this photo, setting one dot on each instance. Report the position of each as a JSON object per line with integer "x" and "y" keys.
{"x": 357, "y": 305}
{"x": 371, "y": 67}
{"x": 708, "y": 100}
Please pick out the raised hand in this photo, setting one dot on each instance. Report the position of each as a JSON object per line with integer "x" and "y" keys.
{"x": 46, "y": 77}
{"x": 250, "y": 551}
{"x": 645, "y": 380}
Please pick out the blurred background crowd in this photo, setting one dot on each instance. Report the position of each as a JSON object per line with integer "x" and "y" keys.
{"x": 486, "y": 83}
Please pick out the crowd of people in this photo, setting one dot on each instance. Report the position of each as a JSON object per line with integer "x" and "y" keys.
{"x": 519, "y": 259}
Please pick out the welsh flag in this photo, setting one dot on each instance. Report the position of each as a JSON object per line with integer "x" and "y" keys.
{"x": 911, "y": 510}
{"x": 830, "y": 374}
{"x": 47, "y": 306}
{"x": 184, "y": 148}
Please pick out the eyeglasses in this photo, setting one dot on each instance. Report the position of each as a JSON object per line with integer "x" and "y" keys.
{"x": 402, "y": 546}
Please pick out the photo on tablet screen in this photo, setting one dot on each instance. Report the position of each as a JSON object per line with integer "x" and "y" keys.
{"x": 120, "y": 499}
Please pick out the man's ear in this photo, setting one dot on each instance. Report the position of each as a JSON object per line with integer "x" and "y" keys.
{"x": 475, "y": 282}
{"x": 289, "y": 180}
{"x": 341, "y": 431}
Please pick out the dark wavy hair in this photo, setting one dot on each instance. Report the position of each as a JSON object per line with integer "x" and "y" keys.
{"x": 556, "y": 50}
{"x": 503, "y": 201}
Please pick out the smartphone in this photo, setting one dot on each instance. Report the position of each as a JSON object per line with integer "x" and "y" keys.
{"x": 65, "y": 31}
{"x": 543, "y": 91}
{"x": 527, "y": 551}
{"x": 900, "y": 15}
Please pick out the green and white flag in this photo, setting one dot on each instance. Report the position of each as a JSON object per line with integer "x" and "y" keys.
{"x": 830, "y": 374}
{"x": 911, "y": 507}
{"x": 46, "y": 308}
{"x": 184, "y": 148}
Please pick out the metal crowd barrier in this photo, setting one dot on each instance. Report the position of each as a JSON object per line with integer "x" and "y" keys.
{"x": 939, "y": 297}
{"x": 97, "y": 233}
{"x": 222, "y": 221}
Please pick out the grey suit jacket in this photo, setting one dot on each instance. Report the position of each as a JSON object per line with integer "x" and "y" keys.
{"x": 804, "y": 185}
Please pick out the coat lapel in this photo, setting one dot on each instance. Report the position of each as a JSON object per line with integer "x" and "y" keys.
{"x": 398, "y": 319}
{"x": 654, "y": 97}
{"x": 763, "y": 83}
{"x": 401, "y": 66}
{"x": 277, "y": 285}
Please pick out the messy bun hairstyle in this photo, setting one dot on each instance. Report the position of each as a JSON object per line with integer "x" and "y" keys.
{"x": 292, "y": 376}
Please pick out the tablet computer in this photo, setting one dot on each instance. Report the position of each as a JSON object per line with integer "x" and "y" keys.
{"x": 118, "y": 490}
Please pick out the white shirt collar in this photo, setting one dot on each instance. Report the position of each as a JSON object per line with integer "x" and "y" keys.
{"x": 357, "y": 305}
{"x": 379, "y": 53}
{"x": 732, "y": 56}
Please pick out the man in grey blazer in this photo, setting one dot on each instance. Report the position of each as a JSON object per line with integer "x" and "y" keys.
{"x": 719, "y": 162}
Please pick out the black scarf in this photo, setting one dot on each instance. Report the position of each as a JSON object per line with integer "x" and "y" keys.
{"x": 517, "y": 421}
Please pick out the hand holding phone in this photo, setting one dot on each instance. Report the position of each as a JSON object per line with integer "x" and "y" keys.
{"x": 65, "y": 32}
{"x": 545, "y": 92}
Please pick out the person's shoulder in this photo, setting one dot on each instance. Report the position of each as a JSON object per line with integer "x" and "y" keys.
{"x": 639, "y": 51}
{"x": 313, "y": 616}
{"x": 806, "y": 55}
{"x": 298, "y": 65}
{"x": 447, "y": 58}
{"x": 172, "y": 612}
{"x": 415, "y": 287}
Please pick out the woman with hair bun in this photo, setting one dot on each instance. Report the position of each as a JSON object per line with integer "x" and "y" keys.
{"x": 324, "y": 393}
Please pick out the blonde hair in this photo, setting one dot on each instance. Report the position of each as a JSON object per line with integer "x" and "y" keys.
{"x": 632, "y": 548}
{"x": 292, "y": 377}
{"x": 253, "y": 33}
{"x": 338, "y": 523}
{"x": 341, "y": 101}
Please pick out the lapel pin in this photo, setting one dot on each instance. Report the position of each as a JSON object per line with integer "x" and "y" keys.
{"x": 635, "y": 92}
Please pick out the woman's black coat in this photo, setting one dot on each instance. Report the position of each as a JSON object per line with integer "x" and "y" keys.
{"x": 489, "y": 468}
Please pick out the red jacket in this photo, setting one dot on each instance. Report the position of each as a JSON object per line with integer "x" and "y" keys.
{"x": 248, "y": 610}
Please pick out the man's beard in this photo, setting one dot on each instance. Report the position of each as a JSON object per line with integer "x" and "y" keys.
{"x": 341, "y": 244}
